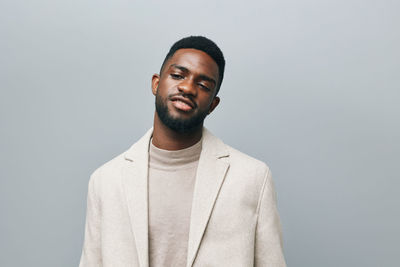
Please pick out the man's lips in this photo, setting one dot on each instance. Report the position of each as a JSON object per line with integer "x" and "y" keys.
{"x": 182, "y": 103}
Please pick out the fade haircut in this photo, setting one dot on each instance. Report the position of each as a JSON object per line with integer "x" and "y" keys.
{"x": 203, "y": 44}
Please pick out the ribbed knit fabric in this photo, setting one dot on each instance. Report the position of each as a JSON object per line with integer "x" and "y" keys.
{"x": 172, "y": 176}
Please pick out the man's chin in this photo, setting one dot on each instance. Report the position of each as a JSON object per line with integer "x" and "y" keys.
{"x": 182, "y": 125}
{"x": 181, "y": 122}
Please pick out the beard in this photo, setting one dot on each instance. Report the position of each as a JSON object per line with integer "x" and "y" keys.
{"x": 179, "y": 125}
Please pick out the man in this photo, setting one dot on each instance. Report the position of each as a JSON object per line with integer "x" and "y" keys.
{"x": 180, "y": 196}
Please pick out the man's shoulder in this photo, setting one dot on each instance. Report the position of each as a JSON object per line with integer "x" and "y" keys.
{"x": 114, "y": 165}
{"x": 246, "y": 162}
{"x": 247, "y": 171}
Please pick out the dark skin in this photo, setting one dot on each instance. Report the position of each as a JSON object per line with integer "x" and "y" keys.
{"x": 192, "y": 74}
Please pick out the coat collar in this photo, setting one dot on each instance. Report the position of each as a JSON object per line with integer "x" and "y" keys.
{"x": 211, "y": 146}
{"x": 209, "y": 178}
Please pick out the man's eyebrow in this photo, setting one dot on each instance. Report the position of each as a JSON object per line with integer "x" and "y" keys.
{"x": 201, "y": 76}
{"x": 182, "y": 68}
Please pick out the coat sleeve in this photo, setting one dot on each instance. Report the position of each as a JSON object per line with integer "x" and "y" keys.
{"x": 91, "y": 252}
{"x": 268, "y": 240}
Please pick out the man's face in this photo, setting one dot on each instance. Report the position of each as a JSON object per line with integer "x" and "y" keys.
{"x": 185, "y": 89}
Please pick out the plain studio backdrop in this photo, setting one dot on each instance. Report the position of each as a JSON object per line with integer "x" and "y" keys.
{"x": 311, "y": 87}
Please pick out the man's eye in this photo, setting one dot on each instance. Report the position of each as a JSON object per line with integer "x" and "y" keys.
{"x": 204, "y": 87}
{"x": 176, "y": 76}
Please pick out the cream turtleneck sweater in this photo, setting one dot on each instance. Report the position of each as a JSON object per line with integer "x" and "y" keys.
{"x": 172, "y": 176}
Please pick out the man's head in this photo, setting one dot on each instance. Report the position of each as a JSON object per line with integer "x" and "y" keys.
{"x": 188, "y": 82}
{"x": 203, "y": 44}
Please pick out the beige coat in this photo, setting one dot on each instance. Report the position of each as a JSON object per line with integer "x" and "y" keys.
{"x": 234, "y": 220}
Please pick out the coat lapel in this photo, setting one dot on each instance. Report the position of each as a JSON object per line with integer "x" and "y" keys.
{"x": 210, "y": 176}
{"x": 134, "y": 181}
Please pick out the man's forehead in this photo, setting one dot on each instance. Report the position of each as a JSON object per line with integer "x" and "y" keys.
{"x": 194, "y": 60}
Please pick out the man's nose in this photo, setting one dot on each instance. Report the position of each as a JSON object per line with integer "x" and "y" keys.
{"x": 188, "y": 87}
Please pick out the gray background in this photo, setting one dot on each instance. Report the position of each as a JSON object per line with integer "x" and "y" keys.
{"x": 311, "y": 88}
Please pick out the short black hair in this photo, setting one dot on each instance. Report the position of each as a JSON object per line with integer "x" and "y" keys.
{"x": 203, "y": 44}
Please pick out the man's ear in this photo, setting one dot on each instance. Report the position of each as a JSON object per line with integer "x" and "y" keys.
{"x": 154, "y": 83}
{"x": 214, "y": 104}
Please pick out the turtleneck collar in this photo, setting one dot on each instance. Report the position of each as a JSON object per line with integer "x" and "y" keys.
{"x": 174, "y": 159}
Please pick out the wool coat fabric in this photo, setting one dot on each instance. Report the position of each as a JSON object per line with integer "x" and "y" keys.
{"x": 234, "y": 219}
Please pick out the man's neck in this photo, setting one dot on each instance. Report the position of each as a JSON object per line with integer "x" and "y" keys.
{"x": 168, "y": 139}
